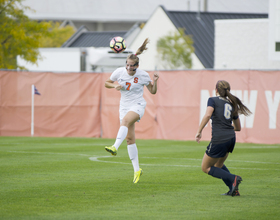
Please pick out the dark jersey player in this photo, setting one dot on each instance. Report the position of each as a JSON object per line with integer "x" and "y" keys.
{"x": 223, "y": 110}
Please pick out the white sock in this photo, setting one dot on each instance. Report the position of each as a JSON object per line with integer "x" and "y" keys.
{"x": 122, "y": 133}
{"x": 133, "y": 155}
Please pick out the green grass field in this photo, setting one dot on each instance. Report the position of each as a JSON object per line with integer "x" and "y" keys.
{"x": 75, "y": 178}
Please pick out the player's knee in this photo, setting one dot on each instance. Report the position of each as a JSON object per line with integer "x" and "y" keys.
{"x": 125, "y": 122}
{"x": 204, "y": 169}
{"x": 219, "y": 165}
{"x": 130, "y": 140}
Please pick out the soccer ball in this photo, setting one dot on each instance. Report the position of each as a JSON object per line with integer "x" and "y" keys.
{"x": 118, "y": 44}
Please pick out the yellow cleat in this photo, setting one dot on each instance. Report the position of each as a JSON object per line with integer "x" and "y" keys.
{"x": 111, "y": 150}
{"x": 137, "y": 176}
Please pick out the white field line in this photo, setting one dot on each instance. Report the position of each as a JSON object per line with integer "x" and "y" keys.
{"x": 226, "y": 160}
{"x": 58, "y": 144}
{"x": 96, "y": 159}
{"x": 102, "y": 144}
{"x": 27, "y": 152}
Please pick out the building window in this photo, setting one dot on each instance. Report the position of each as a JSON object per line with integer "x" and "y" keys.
{"x": 277, "y": 46}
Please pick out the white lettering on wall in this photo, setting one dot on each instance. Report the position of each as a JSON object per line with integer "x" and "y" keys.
{"x": 272, "y": 104}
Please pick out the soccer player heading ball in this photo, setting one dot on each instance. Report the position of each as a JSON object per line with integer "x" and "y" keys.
{"x": 130, "y": 82}
{"x": 223, "y": 110}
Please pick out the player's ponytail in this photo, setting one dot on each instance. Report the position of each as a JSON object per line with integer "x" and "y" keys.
{"x": 140, "y": 50}
{"x": 223, "y": 89}
{"x": 143, "y": 47}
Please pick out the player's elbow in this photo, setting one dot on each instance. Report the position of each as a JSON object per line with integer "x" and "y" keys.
{"x": 237, "y": 129}
{"x": 237, "y": 125}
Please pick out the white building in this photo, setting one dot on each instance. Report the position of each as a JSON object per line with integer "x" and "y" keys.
{"x": 249, "y": 44}
{"x": 115, "y": 15}
{"x": 221, "y": 40}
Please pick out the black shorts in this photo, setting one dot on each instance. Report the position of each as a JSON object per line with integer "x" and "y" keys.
{"x": 220, "y": 150}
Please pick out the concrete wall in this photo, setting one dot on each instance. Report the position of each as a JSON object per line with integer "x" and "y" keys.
{"x": 274, "y": 29}
{"x": 70, "y": 60}
{"x": 243, "y": 44}
{"x": 56, "y": 60}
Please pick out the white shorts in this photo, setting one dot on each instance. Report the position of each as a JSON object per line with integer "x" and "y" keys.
{"x": 138, "y": 108}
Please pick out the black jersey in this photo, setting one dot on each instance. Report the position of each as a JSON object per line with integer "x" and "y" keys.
{"x": 222, "y": 129}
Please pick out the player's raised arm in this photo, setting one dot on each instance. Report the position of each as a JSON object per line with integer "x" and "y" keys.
{"x": 152, "y": 87}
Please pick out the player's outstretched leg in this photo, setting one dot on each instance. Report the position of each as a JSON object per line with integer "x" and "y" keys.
{"x": 111, "y": 150}
{"x": 235, "y": 184}
{"x": 137, "y": 176}
{"x": 120, "y": 137}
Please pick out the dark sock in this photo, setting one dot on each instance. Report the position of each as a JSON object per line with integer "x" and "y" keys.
{"x": 228, "y": 183}
{"x": 225, "y": 168}
{"x": 221, "y": 174}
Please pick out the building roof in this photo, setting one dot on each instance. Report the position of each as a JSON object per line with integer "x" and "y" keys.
{"x": 84, "y": 38}
{"x": 201, "y": 27}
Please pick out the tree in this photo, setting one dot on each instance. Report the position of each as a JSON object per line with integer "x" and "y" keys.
{"x": 175, "y": 50}
{"x": 58, "y": 35}
{"x": 18, "y": 34}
